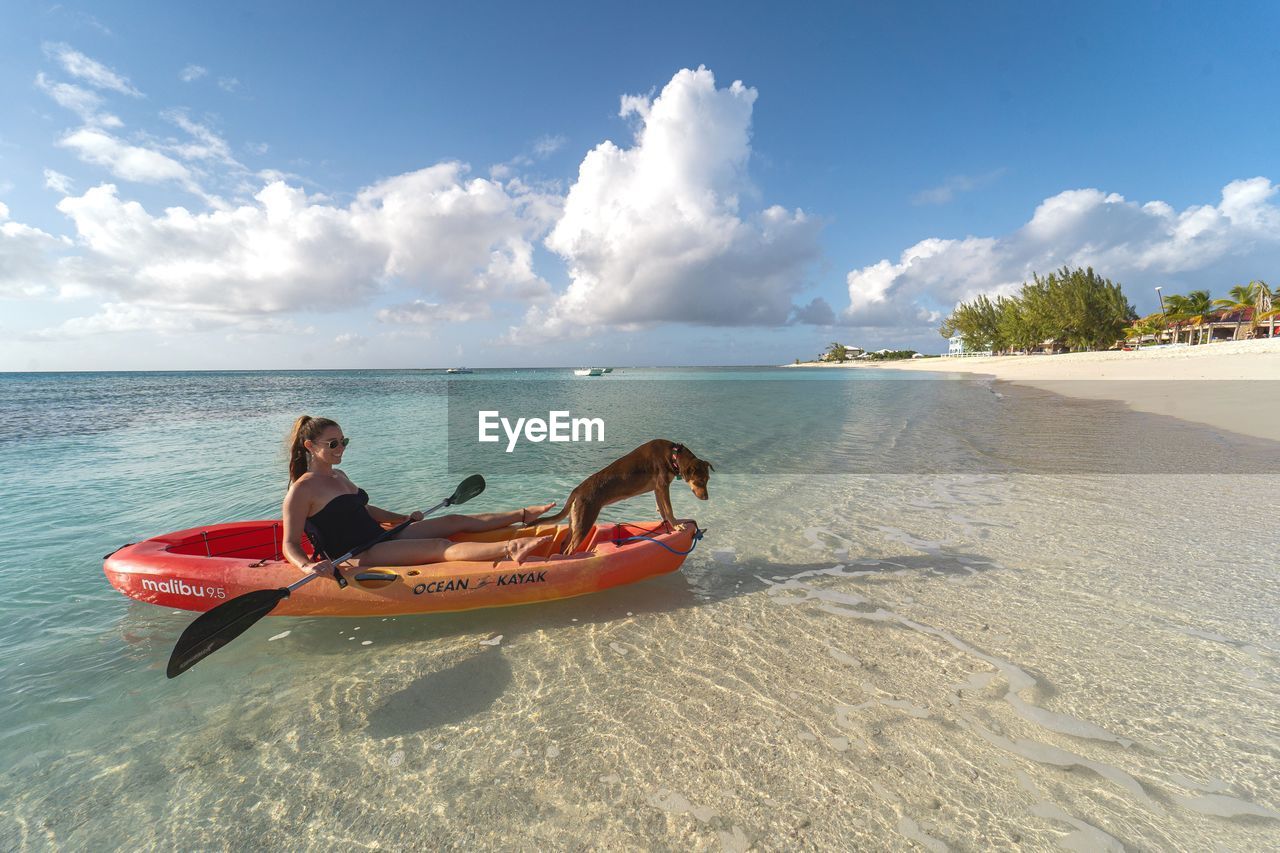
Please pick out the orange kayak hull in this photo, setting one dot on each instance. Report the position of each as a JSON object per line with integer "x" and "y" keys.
{"x": 200, "y": 568}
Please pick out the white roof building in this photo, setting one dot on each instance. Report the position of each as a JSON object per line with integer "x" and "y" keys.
{"x": 955, "y": 346}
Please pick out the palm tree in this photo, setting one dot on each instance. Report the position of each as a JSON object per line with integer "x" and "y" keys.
{"x": 1152, "y": 324}
{"x": 1190, "y": 309}
{"x": 1241, "y": 298}
{"x": 1198, "y": 306}
{"x": 1176, "y": 311}
{"x": 1266, "y": 306}
{"x": 1271, "y": 317}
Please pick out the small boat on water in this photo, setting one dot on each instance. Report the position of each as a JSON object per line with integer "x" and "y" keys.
{"x": 608, "y": 370}
{"x": 590, "y": 371}
{"x": 200, "y": 568}
{"x": 458, "y": 370}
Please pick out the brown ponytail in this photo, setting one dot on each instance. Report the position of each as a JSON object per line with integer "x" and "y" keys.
{"x": 305, "y": 428}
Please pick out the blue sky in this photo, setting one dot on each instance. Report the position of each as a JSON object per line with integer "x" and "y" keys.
{"x": 321, "y": 185}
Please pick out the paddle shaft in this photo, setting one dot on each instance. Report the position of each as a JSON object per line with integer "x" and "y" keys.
{"x": 354, "y": 551}
{"x": 214, "y": 628}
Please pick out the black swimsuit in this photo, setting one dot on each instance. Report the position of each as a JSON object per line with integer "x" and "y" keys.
{"x": 342, "y": 524}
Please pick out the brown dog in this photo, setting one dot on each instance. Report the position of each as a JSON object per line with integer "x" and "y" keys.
{"x": 649, "y": 468}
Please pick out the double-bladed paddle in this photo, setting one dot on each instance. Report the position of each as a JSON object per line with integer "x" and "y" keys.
{"x": 215, "y": 628}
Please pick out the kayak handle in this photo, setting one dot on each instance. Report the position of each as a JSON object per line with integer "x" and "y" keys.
{"x": 125, "y": 545}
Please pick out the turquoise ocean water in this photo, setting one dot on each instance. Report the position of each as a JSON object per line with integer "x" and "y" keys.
{"x": 926, "y": 613}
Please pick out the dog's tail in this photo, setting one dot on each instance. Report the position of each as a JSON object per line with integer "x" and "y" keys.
{"x": 549, "y": 519}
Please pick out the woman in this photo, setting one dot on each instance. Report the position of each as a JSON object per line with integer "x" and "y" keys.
{"x": 324, "y": 503}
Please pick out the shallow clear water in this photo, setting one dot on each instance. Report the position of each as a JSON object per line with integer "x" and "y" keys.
{"x": 963, "y": 647}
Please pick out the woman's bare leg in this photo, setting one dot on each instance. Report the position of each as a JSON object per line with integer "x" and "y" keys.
{"x": 523, "y": 548}
{"x": 414, "y": 552}
{"x": 447, "y": 525}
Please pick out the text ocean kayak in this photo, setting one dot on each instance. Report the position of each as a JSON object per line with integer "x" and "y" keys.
{"x": 200, "y": 568}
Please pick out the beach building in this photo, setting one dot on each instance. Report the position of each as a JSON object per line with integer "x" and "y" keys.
{"x": 956, "y": 347}
{"x": 851, "y": 352}
{"x": 1233, "y": 325}
{"x": 1245, "y": 324}
{"x": 1051, "y": 346}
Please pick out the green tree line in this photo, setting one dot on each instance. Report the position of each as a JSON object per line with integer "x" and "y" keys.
{"x": 892, "y": 355}
{"x": 1077, "y": 307}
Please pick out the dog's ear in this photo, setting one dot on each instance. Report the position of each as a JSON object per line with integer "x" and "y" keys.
{"x": 710, "y": 467}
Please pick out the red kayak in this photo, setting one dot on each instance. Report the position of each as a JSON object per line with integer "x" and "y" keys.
{"x": 200, "y": 568}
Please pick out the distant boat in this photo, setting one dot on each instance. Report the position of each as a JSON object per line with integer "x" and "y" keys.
{"x": 608, "y": 370}
{"x": 458, "y": 370}
{"x": 589, "y": 371}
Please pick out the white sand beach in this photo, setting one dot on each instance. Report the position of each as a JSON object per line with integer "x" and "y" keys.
{"x": 1215, "y": 384}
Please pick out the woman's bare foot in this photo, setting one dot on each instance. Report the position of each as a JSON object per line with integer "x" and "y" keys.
{"x": 530, "y": 514}
{"x": 519, "y": 550}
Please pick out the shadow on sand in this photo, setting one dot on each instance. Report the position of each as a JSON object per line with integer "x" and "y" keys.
{"x": 463, "y": 688}
{"x": 448, "y": 695}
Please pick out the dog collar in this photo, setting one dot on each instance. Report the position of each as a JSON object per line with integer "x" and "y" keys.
{"x": 675, "y": 466}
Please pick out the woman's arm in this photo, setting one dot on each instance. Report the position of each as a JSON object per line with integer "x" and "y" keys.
{"x": 295, "y": 519}
{"x": 383, "y": 516}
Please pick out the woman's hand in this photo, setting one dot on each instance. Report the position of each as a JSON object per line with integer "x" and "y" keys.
{"x": 320, "y": 567}
{"x": 416, "y": 515}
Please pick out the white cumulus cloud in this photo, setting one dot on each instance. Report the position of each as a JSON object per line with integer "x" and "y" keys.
{"x": 95, "y": 143}
{"x": 420, "y": 312}
{"x": 83, "y": 102}
{"x": 656, "y": 232}
{"x": 193, "y": 72}
{"x": 545, "y": 146}
{"x": 115, "y": 317}
{"x": 27, "y": 258}
{"x": 204, "y": 144}
{"x": 124, "y": 160}
{"x": 1210, "y": 246}
{"x": 90, "y": 70}
{"x": 57, "y": 182}
{"x": 465, "y": 242}
{"x": 350, "y": 340}
{"x": 123, "y": 317}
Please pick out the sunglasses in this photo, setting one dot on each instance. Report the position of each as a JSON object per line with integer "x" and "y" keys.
{"x": 333, "y": 443}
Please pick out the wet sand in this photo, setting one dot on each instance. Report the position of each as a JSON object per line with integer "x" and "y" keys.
{"x": 1219, "y": 382}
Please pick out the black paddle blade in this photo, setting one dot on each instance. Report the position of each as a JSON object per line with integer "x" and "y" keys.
{"x": 467, "y": 490}
{"x": 214, "y": 628}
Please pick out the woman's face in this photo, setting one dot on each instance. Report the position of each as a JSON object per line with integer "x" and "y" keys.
{"x": 328, "y": 446}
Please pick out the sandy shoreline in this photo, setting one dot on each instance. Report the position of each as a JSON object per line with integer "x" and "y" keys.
{"x": 1221, "y": 385}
